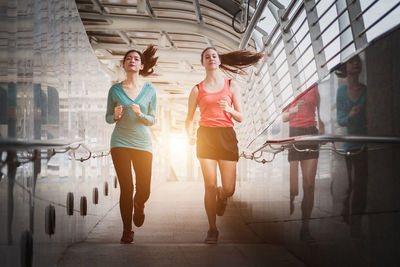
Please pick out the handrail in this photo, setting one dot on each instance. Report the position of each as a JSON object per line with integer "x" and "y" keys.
{"x": 47, "y": 149}
{"x": 21, "y": 144}
{"x": 276, "y": 146}
{"x": 254, "y": 20}
{"x": 312, "y": 139}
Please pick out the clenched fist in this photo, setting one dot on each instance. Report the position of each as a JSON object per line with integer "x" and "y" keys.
{"x": 136, "y": 109}
{"x": 118, "y": 112}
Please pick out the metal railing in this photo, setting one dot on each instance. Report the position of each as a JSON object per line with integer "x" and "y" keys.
{"x": 274, "y": 147}
{"x": 28, "y": 151}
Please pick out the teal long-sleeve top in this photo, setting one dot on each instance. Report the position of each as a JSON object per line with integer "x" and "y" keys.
{"x": 130, "y": 130}
{"x": 356, "y": 124}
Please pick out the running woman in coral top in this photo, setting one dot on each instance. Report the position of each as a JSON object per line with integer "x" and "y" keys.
{"x": 219, "y": 101}
{"x": 303, "y": 115}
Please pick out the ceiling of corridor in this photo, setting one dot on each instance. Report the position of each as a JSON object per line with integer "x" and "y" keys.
{"x": 180, "y": 29}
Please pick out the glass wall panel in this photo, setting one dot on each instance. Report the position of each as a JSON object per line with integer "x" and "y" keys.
{"x": 52, "y": 89}
{"x": 329, "y": 178}
{"x": 378, "y": 10}
{"x": 52, "y": 79}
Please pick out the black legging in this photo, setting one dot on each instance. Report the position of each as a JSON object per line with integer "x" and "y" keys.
{"x": 356, "y": 195}
{"x": 142, "y": 161}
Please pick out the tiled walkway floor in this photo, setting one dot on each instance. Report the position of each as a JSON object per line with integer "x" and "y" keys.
{"x": 173, "y": 234}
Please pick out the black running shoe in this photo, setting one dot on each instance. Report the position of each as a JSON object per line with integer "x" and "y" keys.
{"x": 212, "y": 236}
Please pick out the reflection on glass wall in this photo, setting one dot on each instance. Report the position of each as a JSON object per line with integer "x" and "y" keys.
{"x": 351, "y": 100}
{"x": 338, "y": 194}
{"x": 303, "y": 115}
{"x": 51, "y": 84}
{"x": 52, "y": 89}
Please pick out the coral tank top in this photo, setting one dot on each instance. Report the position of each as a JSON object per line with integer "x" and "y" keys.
{"x": 211, "y": 114}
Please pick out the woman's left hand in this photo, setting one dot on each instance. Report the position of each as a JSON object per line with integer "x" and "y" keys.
{"x": 224, "y": 106}
{"x": 136, "y": 109}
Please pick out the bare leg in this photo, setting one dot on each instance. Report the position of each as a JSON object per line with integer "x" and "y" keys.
{"x": 228, "y": 177}
{"x": 309, "y": 170}
{"x": 209, "y": 169}
{"x": 294, "y": 183}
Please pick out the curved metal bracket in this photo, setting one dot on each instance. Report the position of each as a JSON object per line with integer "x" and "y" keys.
{"x": 319, "y": 140}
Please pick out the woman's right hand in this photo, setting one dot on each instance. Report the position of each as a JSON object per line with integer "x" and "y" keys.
{"x": 355, "y": 110}
{"x": 192, "y": 140}
{"x": 190, "y": 133}
{"x": 300, "y": 104}
{"x": 118, "y": 112}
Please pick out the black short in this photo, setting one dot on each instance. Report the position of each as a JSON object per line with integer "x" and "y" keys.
{"x": 295, "y": 155}
{"x": 217, "y": 143}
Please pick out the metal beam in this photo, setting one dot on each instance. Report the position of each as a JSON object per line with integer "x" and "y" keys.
{"x": 228, "y": 6}
{"x": 257, "y": 37}
{"x": 357, "y": 25}
{"x": 209, "y": 42}
{"x": 176, "y": 75}
{"x": 149, "y": 9}
{"x": 274, "y": 12}
{"x": 288, "y": 9}
{"x": 261, "y": 30}
{"x": 143, "y": 6}
{"x": 317, "y": 44}
{"x": 168, "y": 38}
{"x": 129, "y": 23}
{"x": 277, "y": 4}
{"x": 254, "y": 20}
{"x": 99, "y": 7}
{"x": 177, "y": 54}
{"x": 198, "y": 11}
{"x": 126, "y": 38}
{"x": 173, "y": 76}
{"x": 291, "y": 52}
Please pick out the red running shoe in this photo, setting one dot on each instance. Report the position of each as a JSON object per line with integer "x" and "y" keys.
{"x": 138, "y": 215}
{"x": 127, "y": 237}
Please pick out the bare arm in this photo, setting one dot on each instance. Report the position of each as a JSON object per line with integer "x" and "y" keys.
{"x": 113, "y": 113}
{"x": 321, "y": 125}
{"x": 286, "y": 115}
{"x": 192, "y": 105}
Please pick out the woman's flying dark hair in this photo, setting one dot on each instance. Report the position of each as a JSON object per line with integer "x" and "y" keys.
{"x": 147, "y": 58}
{"x": 236, "y": 61}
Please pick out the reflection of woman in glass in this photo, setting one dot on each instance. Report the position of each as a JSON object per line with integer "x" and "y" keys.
{"x": 219, "y": 101}
{"x": 351, "y": 99}
{"x": 302, "y": 121}
{"x": 131, "y": 105}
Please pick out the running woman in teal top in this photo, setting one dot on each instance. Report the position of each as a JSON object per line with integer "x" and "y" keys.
{"x": 351, "y": 104}
{"x": 131, "y": 104}
{"x": 131, "y": 129}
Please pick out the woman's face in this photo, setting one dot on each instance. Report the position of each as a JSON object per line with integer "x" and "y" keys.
{"x": 133, "y": 62}
{"x": 211, "y": 59}
{"x": 353, "y": 66}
